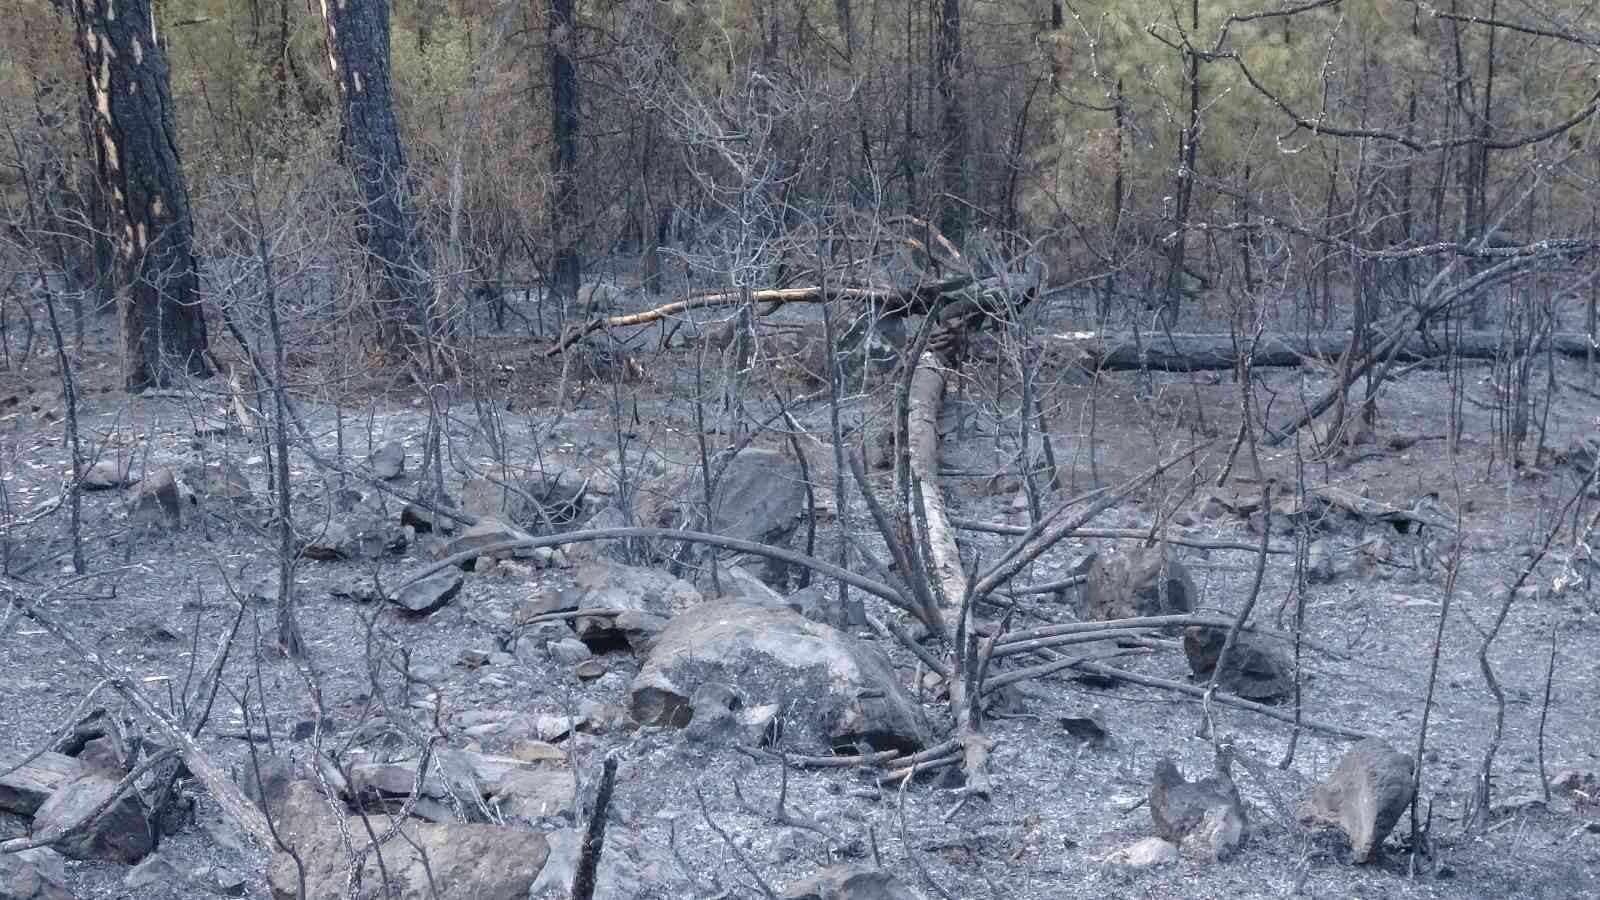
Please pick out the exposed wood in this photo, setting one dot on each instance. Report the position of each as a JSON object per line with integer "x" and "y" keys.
{"x": 1171, "y": 536}
{"x": 1220, "y": 352}
{"x": 922, "y": 426}
{"x": 24, "y": 789}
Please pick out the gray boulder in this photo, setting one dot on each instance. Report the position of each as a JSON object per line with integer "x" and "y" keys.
{"x": 1258, "y": 667}
{"x": 155, "y": 501}
{"x": 490, "y": 531}
{"x": 37, "y": 874}
{"x": 759, "y": 497}
{"x": 647, "y": 600}
{"x": 1136, "y": 583}
{"x": 1205, "y": 818}
{"x": 1364, "y": 796}
{"x": 850, "y": 882}
{"x": 553, "y": 499}
{"x": 433, "y": 861}
{"x": 122, "y": 834}
{"x": 431, "y": 593}
{"x": 835, "y": 691}
{"x": 629, "y": 868}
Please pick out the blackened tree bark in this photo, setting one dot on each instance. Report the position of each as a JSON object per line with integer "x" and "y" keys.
{"x": 388, "y": 230}
{"x": 561, "y": 23}
{"x": 136, "y": 153}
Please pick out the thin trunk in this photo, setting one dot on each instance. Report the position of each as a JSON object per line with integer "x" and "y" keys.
{"x": 1188, "y": 141}
{"x": 955, "y": 166}
{"x": 136, "y": 150}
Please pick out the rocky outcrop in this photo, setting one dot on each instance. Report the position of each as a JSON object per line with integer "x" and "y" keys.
{"x": 834, "y": 690}
{"x": 1365, "y": 796}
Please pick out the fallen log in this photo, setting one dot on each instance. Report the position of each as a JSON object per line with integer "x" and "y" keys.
{"x": 1220, "y": 352}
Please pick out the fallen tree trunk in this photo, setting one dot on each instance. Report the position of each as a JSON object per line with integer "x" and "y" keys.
{"x": 1213, "y": 352}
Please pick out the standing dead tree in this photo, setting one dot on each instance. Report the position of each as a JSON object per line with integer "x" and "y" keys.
{"x": 136, "y": 149}
{"x": 388, "y": 230}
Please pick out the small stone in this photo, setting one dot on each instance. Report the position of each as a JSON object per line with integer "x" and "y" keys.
{"x": 790, "y": 845}
{"x": 570, "y": 651}
{"x": 473, "y": 658}
{"x": 389, "y": 461}
{"x": 156, "y": 501}
{"x": 537, "y": 752}
{"x": 590, "y": 669}
{"x": 218, "y": 880}
{"x": 152, "y": 871}
{"x": 431, "y": 593}
{"x": 1146, "y": 854}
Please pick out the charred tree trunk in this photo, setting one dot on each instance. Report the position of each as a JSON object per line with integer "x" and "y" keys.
{"x": 561, "y": 27}
{"x": 136, "y": 153}
{"x": 358, "y": 55}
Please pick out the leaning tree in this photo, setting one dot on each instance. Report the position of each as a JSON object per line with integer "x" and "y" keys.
{"x": 136, "y": 150}
{"x": 387, "y": 228}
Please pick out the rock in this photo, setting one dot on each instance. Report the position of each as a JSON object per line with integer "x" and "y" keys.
{"x": 1258, "y": 666}
{"x": 457, "y": 862}
{"x": 104, "y": 755}
{"x": 738, "y": 583}
{"x": 25, "y": 790}
{"x": 759, "y": 497}
{"x": 569, "y": 651}
{"x": 487, "y": 532}
{"x": 850, "y": 882}
{"x": 1088, "y": 726}
{"x": 217, "y": 481}
{"x": 1136, "y": 583}
{"x": 1320, "y": 564}
{"x": 349, "y": 538}
{"x": 538, "y": 752}
{"x": 425, "y": 520}
{"x": 835, "y": 691}
{"x": 218, "y": 880}
{"x": 1364, "y": 796}
{"x": 629, "y": 868}
{"x": 648, "y": 600}
{"x": 37, "y": 874}
{"x": 389, "y": 461}
{"x": 153, "y": 871}
{"x": 1146, "y": 854}
{"x": 1205, "y": 817}
{"x": 107, "y": 474}
{"x": 266, "y": 782}
{"x": 431, "y": 593}
{"x": 524, "y": 790}
{"x": 589, "y": 670}
{"x": 122, "y": 834}
{"x": 156, "y": 502}
{"x": 816, "y": 603}
{"x": 554, "y": 499}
